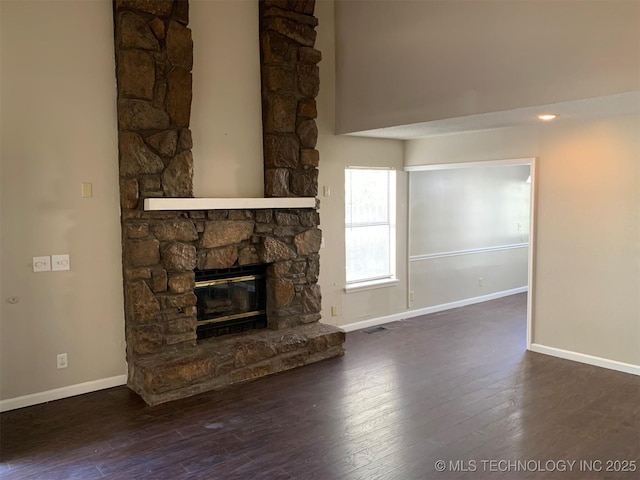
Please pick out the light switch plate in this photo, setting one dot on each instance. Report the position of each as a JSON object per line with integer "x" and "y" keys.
{"x": 42, "y": 264}
{"x": 87, "y": 190}
{"x": 60, "y": 262}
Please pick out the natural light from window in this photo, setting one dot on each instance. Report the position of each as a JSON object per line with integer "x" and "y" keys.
{"x": 370, "y": 205}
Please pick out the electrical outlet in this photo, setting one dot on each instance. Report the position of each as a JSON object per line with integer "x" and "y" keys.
{"x": 62, "y": 360}
{"x": 480, "y": 281}
{"x": 334, "y": 311}
{"x": 411, "y": 296}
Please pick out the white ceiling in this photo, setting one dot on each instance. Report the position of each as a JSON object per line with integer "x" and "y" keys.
{"x": 587, "y": 109}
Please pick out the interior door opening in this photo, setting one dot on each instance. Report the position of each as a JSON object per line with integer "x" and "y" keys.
{"x": 471, "y": 234}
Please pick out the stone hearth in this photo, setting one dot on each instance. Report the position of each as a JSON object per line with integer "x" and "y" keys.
{"x": 161, "y": 249}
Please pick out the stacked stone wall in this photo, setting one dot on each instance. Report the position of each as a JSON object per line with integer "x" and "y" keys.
{"x": 290, "y": 84}
{"x": 154, "y": 58}
{"x": 162, "y": 250}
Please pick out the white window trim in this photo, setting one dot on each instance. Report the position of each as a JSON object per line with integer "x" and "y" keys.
{"x": 371, "y": 285}
{"x": 390, "y": 281}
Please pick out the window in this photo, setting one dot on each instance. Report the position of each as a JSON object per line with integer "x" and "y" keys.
{"x": 370, "y": 206}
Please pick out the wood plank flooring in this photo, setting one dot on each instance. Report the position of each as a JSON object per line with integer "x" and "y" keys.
{"x": 456, "y": 386}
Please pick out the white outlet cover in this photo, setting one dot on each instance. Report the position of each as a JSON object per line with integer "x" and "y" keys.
{"x": 61, "y": 360}
{"x": 42, "y": 264}
{"x": 60, "y": 262}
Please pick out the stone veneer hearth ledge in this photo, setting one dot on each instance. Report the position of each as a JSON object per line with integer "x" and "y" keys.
{"x": 155, "y": 204}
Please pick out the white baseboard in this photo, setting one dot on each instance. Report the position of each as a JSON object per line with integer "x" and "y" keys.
{"x": 350, "y": 327}
{"x": 372, "y": 322}
{"x": 63, "y": 392}
{"x": 588, "y": 359}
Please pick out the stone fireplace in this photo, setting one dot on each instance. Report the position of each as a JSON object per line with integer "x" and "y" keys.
{"x": 164, "y": 247}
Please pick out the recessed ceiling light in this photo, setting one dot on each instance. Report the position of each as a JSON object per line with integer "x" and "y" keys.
{"x": 547, "y": 117}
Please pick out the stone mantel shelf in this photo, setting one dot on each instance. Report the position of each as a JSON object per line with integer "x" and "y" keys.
{"x": 227, "y": 203}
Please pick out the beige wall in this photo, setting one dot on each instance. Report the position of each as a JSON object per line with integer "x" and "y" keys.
{"x": 58, "y": 129}
{"x": 336, "y": 153}
{"x": 456, "y": 210}
{"x": 587, "y": 260}
{"x": 497, "y": 144}
{"x": 468, "y": 208}
{"x": 226, "y": 115}
{"x": 404, "y": 61}
{"x": 441, "y": 280}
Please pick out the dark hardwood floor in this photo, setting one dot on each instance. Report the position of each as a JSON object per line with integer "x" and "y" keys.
{"x": 457, "y": 386}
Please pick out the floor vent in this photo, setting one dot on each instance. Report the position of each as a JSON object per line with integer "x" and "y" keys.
{"x": 373, "y": 329}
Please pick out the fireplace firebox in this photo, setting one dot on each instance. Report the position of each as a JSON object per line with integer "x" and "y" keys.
{"x": 230, "y": 300}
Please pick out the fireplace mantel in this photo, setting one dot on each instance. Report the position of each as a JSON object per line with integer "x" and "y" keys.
{"x": 227, "y": 203}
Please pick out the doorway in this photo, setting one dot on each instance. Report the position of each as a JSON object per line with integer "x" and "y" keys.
{"x": 471, "y": 234}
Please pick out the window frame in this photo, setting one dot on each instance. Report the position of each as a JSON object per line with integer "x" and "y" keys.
{"x": 389, "y": 279}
